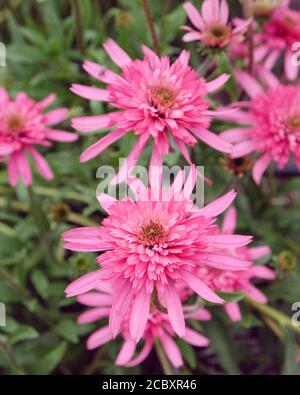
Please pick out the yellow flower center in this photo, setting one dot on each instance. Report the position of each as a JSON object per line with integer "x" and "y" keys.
{"x": 152, "y": 233}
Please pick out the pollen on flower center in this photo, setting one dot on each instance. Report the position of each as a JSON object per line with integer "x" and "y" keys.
{"x": 162, "y": 97}
{"x": 152, "y": 233}
{"x": 14, "y": 123}
{"x": 217, "y": 35}
{"x": 294, "y": 124}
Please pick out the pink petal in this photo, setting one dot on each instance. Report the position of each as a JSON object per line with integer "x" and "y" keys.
{"x": 13, "y": 172}
{"x": 223, "y": 261}
{"x": 90, "y": 124}
{"x": 56, "y": 116}
{"x": 193, "y": 15}
{"x": 200, "y": 287}
{"x": 259, "y": 252}
{"x": 254, "y": 293}
{"x": 139, "y": 314}
{"x": 120, "y": 307}
{"x": 191, "y": 36}
{"x": 61, "y": 135}
{"x": 233, "y": 311}
{"x": 263, "y": 272}
{"x": 243, "y": 148}
{"x": 98, "y": 338}
{"x": 94, "y": 69}
{"x": 106, "y": 201}
{"x": 95, "y": 299}
{"x": 5, "y": 149}
{"x": 217, "y": 83}
{"x": 195, "y": 338}
{"x": 90, "y": 92}
{"x": 210, "y": 11}
{"x": 84, "y": 283}
{"x": 143, "y": 354}
{"x": 214, "y": 141}
{"x": 229, "y": 221}
{"x": 101, "y": 145}
{"x": 229, "y": 241}
{"x": 224, "y": 12}
{"x": 93, "y": 315}
{"x": 248, "y": 84}
{"x": 236, "y": 135}
{"x": 116, "y": 53}
{"x": 171, "y": 349}
{"x": 219, "y": 205}
{"x": 41, "y": 164}
{"x": 260, "y": 167}
{"x": 126, "y": 352}
{"x": 23, "y": 167}
{"x": 174, "y": 308}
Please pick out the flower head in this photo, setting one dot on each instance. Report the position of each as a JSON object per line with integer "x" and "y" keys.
{"x": 273, "y": 117}
{"x": 158, "y": 327}
{"x": 212, "y": 27}
{"x": 154, "y": 98}
{"x": 151, "y": 244}
{"x": 264, "y": 8}
{"x": 280, "y": 32}
{"x": 238, "y": 281}
{"x": 23, "y": 125}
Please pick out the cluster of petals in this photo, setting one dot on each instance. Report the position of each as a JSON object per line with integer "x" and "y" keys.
{"x": 212, "y": 26}
{"x": 280, "y": 35}
{"x": 154, "y": 98}
{"x": 269, "y": 123}
{"x": 238, "y": 281}
{"x": 158, "y": 327}
{"x": 148, "y": 245}
{"x": 24, "y": 125}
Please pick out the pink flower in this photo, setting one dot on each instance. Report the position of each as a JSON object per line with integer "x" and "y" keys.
{"x": 23, "y": 125}
{"x": 211, "y": 26}
{"x": 280, "y": 33}
{"x": 273, "y": 119}
{"x": 238, "y": 281}
{"x": 150, "y": 244}
{"x": 153, "y": 98}
{"x": 158, "y": 327}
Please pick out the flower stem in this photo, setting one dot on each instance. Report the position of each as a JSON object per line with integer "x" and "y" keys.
{"x": 163, "y": 359}
{"x": 150, "y": 22}
{"x": 79, "y": 31}
{"x": 276, "y": 315}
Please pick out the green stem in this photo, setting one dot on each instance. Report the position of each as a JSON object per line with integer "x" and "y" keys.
{"x": 276, "y": 315}
{"x": 150, "y": 22}
{"x": 163, "y": 359}
{"x": 36, "y": 212}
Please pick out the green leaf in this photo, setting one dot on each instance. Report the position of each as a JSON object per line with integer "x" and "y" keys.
{"x": 49, "y": 362}
{"x": 222, "y": 345}
{"x": 188, "y": 353}
{"x": 23, "y": 332}
{"x": 290, "y": 365}
{"x": 40, "y": 282}
{"x": 68, "y": 330}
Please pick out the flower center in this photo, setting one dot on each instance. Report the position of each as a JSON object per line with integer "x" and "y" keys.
{"x": 217, "y": 35}
{"x": 294, "y": 124}
{"x": 264, "y": 7}
{"x": 14, "y": 123}
{"x": 152, "y": 233}
{"x": 162, "y": 97}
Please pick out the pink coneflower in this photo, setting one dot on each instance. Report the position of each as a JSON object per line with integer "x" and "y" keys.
{"x": 23, "y": 125}
{"x": 149, "y": 245}
{"x": 157, "y": 327}
{"x": 280, "y": 33}
{"x": 154, "y": 99}
{"x": 238, "y": 281}
{"x": 212, "y": 27}
{"x": 274, "y": 119}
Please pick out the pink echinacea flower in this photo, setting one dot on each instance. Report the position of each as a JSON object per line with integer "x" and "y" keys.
{"x": 23, "y": 126}
{"x": 149, "y": 245}
{"x": 153, "y": 98}
{"x": 158, "y": 327}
